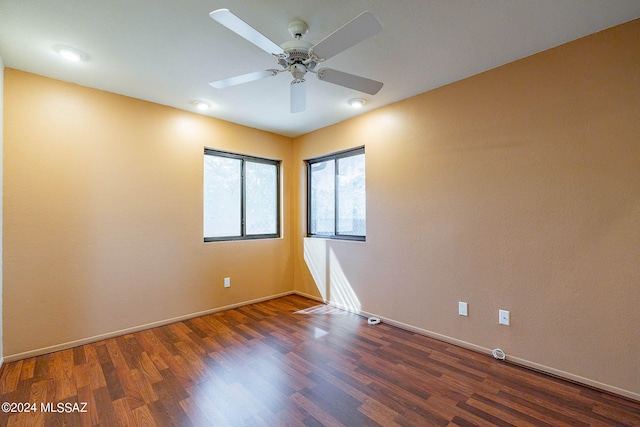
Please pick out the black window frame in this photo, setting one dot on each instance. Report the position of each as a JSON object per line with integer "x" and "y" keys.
{"x": 243, "y": 231}
{"x": 335, "y": 157}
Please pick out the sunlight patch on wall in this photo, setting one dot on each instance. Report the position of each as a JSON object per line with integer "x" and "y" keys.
{"x": 315, "y": 255}
{"x": 329, "y": 276}
{"x": 340, "y": 290}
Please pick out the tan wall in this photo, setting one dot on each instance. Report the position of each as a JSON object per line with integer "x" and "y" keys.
{"x": 1, "y": 175}
{"x": 103, "y": 215}
{"x": 516, "y": 189}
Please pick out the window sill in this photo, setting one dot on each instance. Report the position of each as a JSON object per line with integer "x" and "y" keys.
{"x": 343, "y": 238}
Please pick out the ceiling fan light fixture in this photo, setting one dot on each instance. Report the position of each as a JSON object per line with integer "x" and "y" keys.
{"x": 201, "y": 105}
{"x": 70, "y": 54}
{"x": 357, "y": 102}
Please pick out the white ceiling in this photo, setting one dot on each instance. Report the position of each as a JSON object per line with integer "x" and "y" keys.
{"x": 166, "y": 51}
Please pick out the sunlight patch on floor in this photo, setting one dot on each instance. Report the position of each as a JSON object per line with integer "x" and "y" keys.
{"x": 322, "y": 309}
{"x": 319, "y": 333}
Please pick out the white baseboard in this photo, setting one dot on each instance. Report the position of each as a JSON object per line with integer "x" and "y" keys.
{"x": 470, "y": 346}
{"x": 92, "y": 339}
{"x": 313, "y": 297}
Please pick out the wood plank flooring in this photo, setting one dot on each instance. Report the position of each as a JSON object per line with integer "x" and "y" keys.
{"x": 291, "y": 362}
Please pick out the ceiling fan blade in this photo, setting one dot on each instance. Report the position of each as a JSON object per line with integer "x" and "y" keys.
{"x": 241, "y": 28}
{"x": 244, "y": 78}
{"x": 298, "y": 96}
{"x": 351, "y": 81}
{"x": 353, "y": 32}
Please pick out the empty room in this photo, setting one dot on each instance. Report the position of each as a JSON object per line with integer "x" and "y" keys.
{"x": 303, "y": 213}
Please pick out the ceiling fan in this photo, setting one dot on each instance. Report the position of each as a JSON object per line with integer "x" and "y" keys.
{"x": 299, "y": 57}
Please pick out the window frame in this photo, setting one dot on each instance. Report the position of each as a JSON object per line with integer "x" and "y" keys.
{"x": 335, "y": 157}
{"x": 243, "y": 202}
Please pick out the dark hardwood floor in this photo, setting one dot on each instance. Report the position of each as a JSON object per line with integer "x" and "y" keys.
{"x": 291, "y": 362}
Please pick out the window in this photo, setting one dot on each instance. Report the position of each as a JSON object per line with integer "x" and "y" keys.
{"x": 241, "y": 197}
{"x": 336, "y": 197}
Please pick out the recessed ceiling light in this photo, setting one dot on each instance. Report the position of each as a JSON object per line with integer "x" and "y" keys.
{"x": 357, "y": 102}
{"x": 70, "y": 54}
{"x": 201, "y": 105}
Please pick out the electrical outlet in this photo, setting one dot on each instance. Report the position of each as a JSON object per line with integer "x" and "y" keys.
{"x": 463, "y": 309}
{"x": 503, "y": 317}
{"x": 227, "y": 282}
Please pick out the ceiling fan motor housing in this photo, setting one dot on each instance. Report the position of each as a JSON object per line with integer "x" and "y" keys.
{"x": 297, "y": 58}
